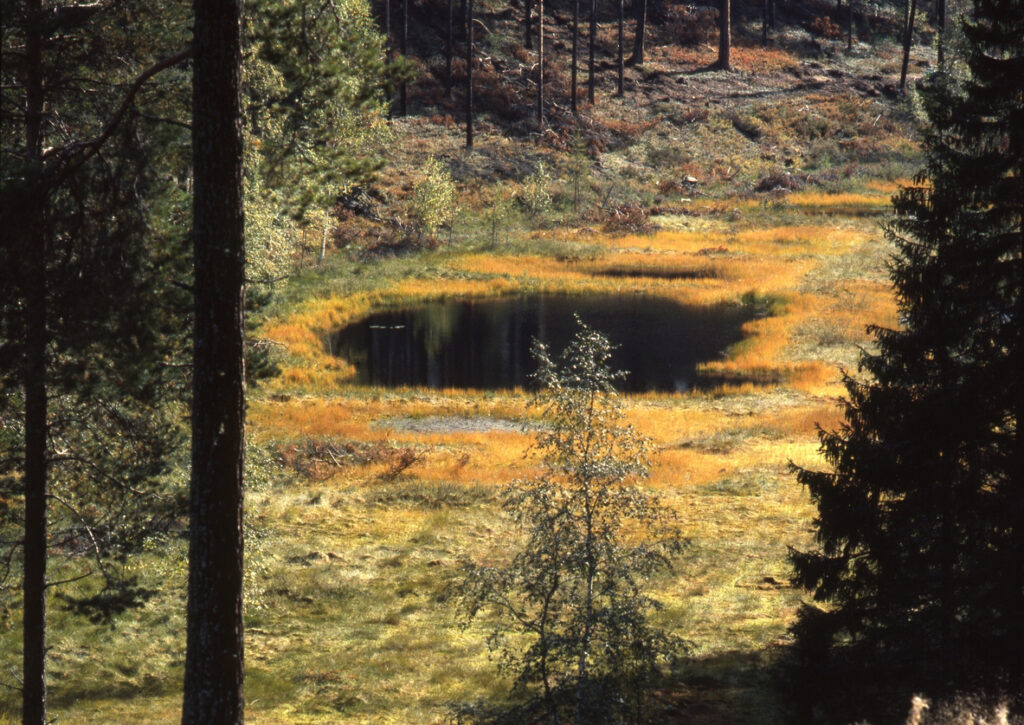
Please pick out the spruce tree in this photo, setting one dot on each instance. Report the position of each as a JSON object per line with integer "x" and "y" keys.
{"x": 921, "y": 519}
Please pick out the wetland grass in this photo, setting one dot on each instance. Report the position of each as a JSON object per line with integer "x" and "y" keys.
{"x": 351, "y": 624}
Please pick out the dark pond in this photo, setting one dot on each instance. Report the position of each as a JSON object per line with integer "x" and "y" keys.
{"x": 486, "y": 343}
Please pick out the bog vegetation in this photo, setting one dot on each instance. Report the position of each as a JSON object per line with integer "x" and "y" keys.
{"x": 561, "y": 554}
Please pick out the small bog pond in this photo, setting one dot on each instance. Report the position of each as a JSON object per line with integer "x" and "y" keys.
{"x": 486, "y": 343}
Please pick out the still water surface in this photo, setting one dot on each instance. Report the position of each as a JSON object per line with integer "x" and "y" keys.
{"x": 485, "y": 343}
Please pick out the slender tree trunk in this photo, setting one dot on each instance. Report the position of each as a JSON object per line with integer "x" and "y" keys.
{"x": 323, "y": 244}
{"x": 940, "y": 11}
{"x": 724, "y": 34}
{"x": 448, "y": 43}
{"x": 34, "y": 381}
{"x": 640, "y": 12}
{"x": 389, "y": 50}
{"x": 590, "y": 62}
{"x": 545, "y": 675}
{"x": 1016, "y": 599}
{"x": 764, "y": 23}
{"x": 403, "y": 90}
{"x": 528, "y": 25}
{"x": 214, "y": 657}
{"x": 849, "y": 25}
{"x": 582, "y": 675}
{"x": 469, "y": 75}
{"x": 540, "y": 65}
{"x": 622, "y": 71}
{"x": 908, "y": 36}
{"x": 575, "y": 53}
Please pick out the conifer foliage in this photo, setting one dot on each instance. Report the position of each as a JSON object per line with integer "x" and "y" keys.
{"x": 921, "y": 519}
{"x": 575, "y": 589}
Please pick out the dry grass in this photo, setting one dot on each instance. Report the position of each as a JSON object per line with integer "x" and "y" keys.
{"x": 751, "y": 59}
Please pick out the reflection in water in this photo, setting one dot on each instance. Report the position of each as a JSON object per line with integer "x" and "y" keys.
{"x": 486, "y": 343}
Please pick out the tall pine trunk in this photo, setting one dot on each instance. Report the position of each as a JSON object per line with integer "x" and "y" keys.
{"x": 640, "y": 12}
{"x": 214, "y": 657}
{"x": 34, "y": 381}
{"x": 590, "y": 61}
{"x": 575, "y": 53}
{"x": 469, "y": 75}
{"x": 724, "y": 35}
{"x": 1016, "y": 544}
{"x": 540, "y": 65}
{"x": 622, "y": 70}
{"x": 388, "y": 46}
{"x": 849, "y": 25}
{"x": 764, "y": 22}
{"x": 403, "y": 91}
{"x": 448, "y": 42}
{"x": 908, "y": 36}
{"x": 528, "y": 29}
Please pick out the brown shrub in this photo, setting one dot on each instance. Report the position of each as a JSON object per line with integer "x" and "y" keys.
{"x": 777, "y": 180}
{"x": 318, "y": 459}
{"x": 628, "y": 218}
{"x": 691, "y": 25}
{"x": 825, "y": 27}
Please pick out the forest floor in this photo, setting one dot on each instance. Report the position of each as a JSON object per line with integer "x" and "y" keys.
{"x": 364, "y": 502}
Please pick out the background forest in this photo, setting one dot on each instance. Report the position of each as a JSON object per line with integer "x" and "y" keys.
{"x": 832, "y": 532}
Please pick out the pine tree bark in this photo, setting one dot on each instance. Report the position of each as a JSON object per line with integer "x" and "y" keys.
{"x": 1017, "y": 540}
{"x": 214, "y": 657}
{"x": 403, "y": 90}
{"x": 640, "y": 12}
{"x": 388, "y": 46}
{"x": 724, "y": 35}
{"x": 849, "y": 26}
{"x": 575, "y": 54}
{"x": 590, "y": 61}
{"x": 469, "y": 75}
{"x": 34, "y": 381}
{"x": 448, "y": 42}
{"x": 764, "y": 23}
{"x": 540, "y": 65}
{"x": 908, "y": 36}
{"x": 527, "y": 22}
{"x": 622, "y": 70}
